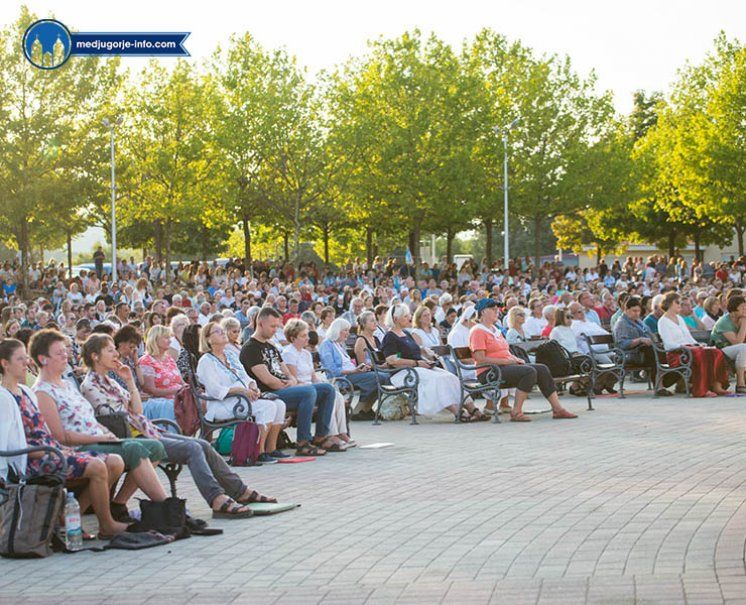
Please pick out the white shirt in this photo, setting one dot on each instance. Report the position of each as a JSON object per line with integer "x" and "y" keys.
{"x": 302, "y": 360}
{"x": 566, "y": 337}
{"x": 674, "y": 334}
{"x": 429, "y": 339}
{"x": 12, "y": 435}
{"x": 458, "y": 337}
{"x": 589, "y": 329}
{"x": 534, "y": 326}
{"x": 219, "y": 379}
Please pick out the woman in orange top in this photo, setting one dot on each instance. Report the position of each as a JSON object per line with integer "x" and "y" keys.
{"x": 489, "y": 347}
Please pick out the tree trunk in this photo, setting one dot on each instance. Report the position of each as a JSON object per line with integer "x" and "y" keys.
{"x": 672, "y": 244}
{"x": 246, "y": 240}
{"x": 697, "y": 251}
{"x": 70, "y": 253}
{"x": 167, "y": 247}
{"x": 325, "y": 230}
{"x": 740, "y": 228}
{"x": 537, "y": 244}
{"x": 205, "y": 242}
{"x": 158, "y": 241}
{"x": 488, "y": 240}
{"x": 598, "y": 254}
{"x": 286, "y": 244}
{"x": 449, "y": 244}
{"x": 296, "y": 232}
{"x": 369, "y": 246}
{"x": 23, "y": 248}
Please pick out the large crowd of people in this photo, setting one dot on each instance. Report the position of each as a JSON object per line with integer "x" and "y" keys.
{"x": 73, "y": 348}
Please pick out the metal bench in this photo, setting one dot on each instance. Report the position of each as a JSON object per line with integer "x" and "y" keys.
{"x": 600, "y": 367}
{"x": 663, "y": 367}
{"x": 463, "y": 359}
{"x": 386, "y": 391}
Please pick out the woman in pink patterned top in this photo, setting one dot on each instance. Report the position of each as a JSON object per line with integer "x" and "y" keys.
{"x": 161, "y": 376}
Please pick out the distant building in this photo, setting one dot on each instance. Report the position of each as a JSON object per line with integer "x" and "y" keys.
{"x": 709, "y": 253}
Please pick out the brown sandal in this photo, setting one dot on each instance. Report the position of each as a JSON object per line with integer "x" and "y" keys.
{"x": 563, "y": 414}
{"x": 519, "y": 417}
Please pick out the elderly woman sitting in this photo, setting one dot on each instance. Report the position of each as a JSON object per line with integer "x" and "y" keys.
{"x": 337, "y": 361}
{"x": 709, "y": 367}
{"x": 222, "y": 375}
{"x": 299, "y": 362}
{"x": 437, "y": 389}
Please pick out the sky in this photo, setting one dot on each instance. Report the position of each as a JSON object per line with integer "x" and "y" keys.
{"x": 631, "y": 45}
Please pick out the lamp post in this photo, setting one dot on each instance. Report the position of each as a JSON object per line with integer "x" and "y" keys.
{"x": 111, "y": 126}
{"x": 504, "y": 132}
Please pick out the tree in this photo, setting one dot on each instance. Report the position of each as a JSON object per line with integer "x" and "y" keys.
{"x": 722, "y": 141}
{"x": 561, "y": 117}
{"x": 41, "y": 112}
{"x": 169, "y": 162}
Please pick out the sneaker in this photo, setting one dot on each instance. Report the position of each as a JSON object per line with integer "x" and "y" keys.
{"x": 279, "y": 454}
{"x": 267, "y": 459}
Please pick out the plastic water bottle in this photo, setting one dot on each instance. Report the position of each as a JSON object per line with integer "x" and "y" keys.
{"x": 73, "y": 528}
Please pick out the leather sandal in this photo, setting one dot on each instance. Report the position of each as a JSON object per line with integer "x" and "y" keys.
{"x": 519, "y": 417}
{"x": 563, "y": 414}
{"x": 230, "y": 509}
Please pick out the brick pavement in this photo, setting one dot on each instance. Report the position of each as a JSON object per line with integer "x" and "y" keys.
{"x": 641, "y": 501}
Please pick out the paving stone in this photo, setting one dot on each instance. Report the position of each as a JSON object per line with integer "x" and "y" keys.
{"x": 641, "y": 501}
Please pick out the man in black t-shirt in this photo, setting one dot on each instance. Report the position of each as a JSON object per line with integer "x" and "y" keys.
{"x": 263, "y": 363}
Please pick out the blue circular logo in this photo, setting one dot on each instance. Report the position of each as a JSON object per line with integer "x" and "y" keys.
{"x": 47, "y": 44}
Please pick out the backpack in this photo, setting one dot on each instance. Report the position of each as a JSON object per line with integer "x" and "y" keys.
{"x": 224, "y": 442}
{"x": 185, "y": 409}
{"x": 553, "y": 355}
{"x": 245, "y": 446}
{"x": 28, "y": 516}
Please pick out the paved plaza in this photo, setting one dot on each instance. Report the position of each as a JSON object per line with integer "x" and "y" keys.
{"x": 640, "y": 501}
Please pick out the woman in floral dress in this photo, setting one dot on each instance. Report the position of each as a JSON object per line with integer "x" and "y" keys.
{"x": 101, "y": 470}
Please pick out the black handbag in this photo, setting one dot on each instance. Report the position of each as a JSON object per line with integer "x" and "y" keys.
{"x": 167, "y": 517}
{"x": 117, "y": 422}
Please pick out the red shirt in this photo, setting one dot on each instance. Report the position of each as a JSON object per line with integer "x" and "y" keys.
{"x": 288, "y": 316}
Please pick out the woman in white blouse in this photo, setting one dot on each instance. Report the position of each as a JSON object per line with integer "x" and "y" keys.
{"x": 299, "y": 362}
{"x": 424, "y": 333}
{"x": 222, "y": 375}
{"x": 515, "y": 320}
{"x": 709, "y": 367}
{"x": 562, "y": 332}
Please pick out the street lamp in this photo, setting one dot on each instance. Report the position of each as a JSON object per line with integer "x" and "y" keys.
{"x": 504, "y": 132}
{"x": 111, "y": 125}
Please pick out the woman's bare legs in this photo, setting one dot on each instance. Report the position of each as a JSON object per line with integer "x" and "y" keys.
{"x": 272, "y": 434}
{"x": 142, "y": 477}
{"x": 97, "y": 494}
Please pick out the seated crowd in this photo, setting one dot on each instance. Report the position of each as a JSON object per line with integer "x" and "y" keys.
{"x": 285, "y": 339}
